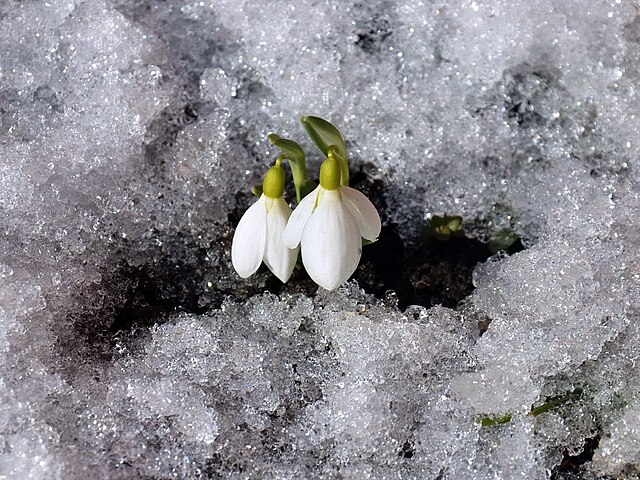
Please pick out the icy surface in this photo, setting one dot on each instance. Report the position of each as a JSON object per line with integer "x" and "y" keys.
{"x": 130, "y": 134}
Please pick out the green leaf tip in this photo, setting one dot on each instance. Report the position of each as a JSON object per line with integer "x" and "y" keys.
{"x": 290, "y": 149}
{"x": 445, "y": 227}
{"x": 256, "y": 190}
{"x": 323, "y": 134}
{"x": 502, "y": 240}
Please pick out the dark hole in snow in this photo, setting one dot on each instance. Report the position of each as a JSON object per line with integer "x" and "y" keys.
{"x": 407, "y": 450}
{"x": 144, "y": 285}
{"x": 372, "y": 33}
{"x": 437, "y": 272}
{"x": 153, "y": 294}
{"x": 572, "y": 466}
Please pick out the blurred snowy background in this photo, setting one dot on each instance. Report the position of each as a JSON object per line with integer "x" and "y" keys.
{"x": 130, "y": 134}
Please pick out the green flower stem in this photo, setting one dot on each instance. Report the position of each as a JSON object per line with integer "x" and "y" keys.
{"x": 299, "y": 173}
{"x": 334, "y": 152}
{"x": 293, "y": 153}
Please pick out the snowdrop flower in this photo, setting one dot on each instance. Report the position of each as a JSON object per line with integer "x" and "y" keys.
{"x": 258, "y": 237}
{"x": 329, "y": 224}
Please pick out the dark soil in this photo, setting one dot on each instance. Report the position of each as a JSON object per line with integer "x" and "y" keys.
{"x": 436, "y": 273}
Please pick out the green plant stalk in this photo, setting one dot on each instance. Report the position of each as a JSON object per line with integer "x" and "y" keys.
{"x": 334, "y": 152}
{"x": 299, "y": 173}
{"x": 293, "y": 153}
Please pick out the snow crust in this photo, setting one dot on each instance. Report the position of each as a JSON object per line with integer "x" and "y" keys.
{"x": 130, "y": 135}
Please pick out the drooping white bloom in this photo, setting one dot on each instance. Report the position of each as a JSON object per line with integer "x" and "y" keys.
{"x": 329, "y": 224}
{"x": 258, "y": 236}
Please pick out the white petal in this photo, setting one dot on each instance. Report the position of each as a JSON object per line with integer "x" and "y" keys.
{"x": 299, "y": 218}
{"x": 247, "y": 248}
{"x": 280, "y": 259}
{"x": 331, "y": 243}
{"x": 364, "y": 213}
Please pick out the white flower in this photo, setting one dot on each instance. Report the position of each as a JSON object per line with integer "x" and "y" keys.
{"x": 330, "y": 223}
{"x": 258, "y": 238}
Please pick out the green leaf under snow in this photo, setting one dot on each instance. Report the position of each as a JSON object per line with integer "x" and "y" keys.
{"x": 493, "y": 420}
{"x": 554, "y": 402}
{"x": 502, "y": 240}
{"x": 443, "y": 228}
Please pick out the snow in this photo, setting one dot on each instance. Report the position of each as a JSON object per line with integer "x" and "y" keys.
{"x": 130, "y": 136}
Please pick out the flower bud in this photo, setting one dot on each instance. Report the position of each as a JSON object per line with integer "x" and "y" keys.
{"x": 330, "y": 173}
{"x": 273, "y": 184}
